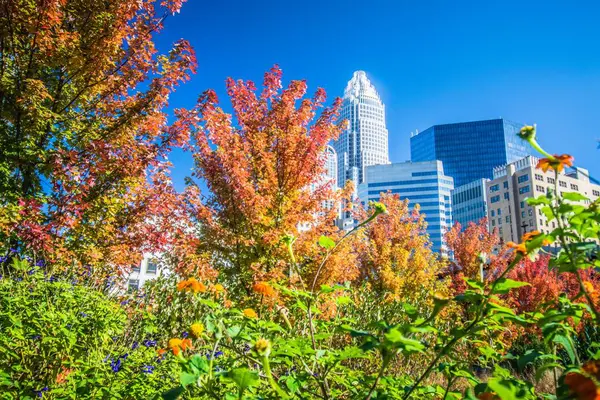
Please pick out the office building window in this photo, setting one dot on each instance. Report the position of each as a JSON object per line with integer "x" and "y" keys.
{"x": 134, "y": 284}
{"x": 493, "y": 213}
{"x": 499, "y": 212}
{"x": 539, "y": 177}
{"x": 507, "y": 219}
{"x": 151, "y": 267}
{"x": 596, "y": 192}
{"x": 574, "y": 187}
{"x": 495, "y": 199}
{"x": 551, "y": 180}
{"x": 524, "y": 189}
{"x": 505, "y": 185}
{"x": 540, "y": 188}
{"x": 523, "y": 178}
{"x": 506, "y": 196}
{"x": 135, "y": 268}
{"x": 522, "y": 204}
{"x": 494, "y": 188}
{"x": 562, "y": 184}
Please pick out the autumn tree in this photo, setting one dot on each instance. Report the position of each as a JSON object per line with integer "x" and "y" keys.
{"x": 544, "y": 284}
{"x": 263, "y": 167}
{"x": 84, "y": 137}
{"x": 396, "y": 257}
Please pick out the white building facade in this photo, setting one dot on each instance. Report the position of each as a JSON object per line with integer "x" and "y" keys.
{"x": 422, "y": 183}
{"x": 508, "y": 211}
{"x": 365, "y": 141}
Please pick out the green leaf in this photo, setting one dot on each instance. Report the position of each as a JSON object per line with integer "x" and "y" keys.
{"x": 502, "y": 389}
{"x": 398, "y": 340}
{"x": 574, "y": 196}
{"x": 173, "y": 393}
{"x": 198, "y": 364}
{"x": 326, "y": 242}
{"x": 243, "y": 377}
{"x": 504, "y": 285}
{"x": 187, "y": 379}
{"x": 566, "y": 342}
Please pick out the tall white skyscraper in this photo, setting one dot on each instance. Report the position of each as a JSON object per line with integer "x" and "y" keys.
{"x": 365, "y": 141}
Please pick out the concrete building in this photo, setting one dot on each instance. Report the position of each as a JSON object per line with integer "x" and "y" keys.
{"x": 512, "y": 184}
{"x": 469, "y": 202}
{"x": 149, "y": 268}
{"x": 423, "y": 183}
{"x": 365, "y": 141}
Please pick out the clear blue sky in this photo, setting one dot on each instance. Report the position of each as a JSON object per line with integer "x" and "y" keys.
{"x": 432, "y": 61}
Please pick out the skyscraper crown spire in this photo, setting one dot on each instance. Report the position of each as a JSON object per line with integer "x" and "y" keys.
{"x": 360, "y": 85}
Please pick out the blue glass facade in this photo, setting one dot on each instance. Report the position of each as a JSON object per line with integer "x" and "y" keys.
{"x": 470, "y": 150}
{"x": 469, "y": 202}
{"x": 423, "y": 183}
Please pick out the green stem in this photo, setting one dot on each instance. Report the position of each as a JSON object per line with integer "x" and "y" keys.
{"x": 386, "y": 362}
{"x": 274, "y": 385}
{"x": 537, "y": 147}
{"x": 466, "y": 332}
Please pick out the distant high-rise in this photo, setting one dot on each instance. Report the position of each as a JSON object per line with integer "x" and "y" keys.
{"x": 470, "y": 150}
{"x": 365, "y": 141}
{"x": 423, "y": 183}
{"x": 331, "y": 173}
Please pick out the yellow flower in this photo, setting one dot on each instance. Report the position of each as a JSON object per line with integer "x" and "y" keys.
{"x": 557, "y": 163}
{"x": 175, "y": 345}
{"x": 219, "y": 288}
{"x": 250, "y": 313}
{"x": 191, "y": 284}
{"x": 197, "y": 329}
{"x": 264, "y": 289}
{"x": 263, "y": 347}
{"x": 520, "y": 248}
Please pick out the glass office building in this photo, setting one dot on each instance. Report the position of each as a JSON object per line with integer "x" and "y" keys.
{"x": 365, "y": 141}
{"x": 422, "y": 183}
{"x": 469, "y": 202}
{"x": 470, "y": 150}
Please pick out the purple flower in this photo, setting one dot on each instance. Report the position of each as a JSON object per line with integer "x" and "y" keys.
{"x": 3, "y": 258}
{"x": 108, "y": 357}
{"x": 124, "y": 356}
{"x": 84, "y": 315}
{"x": 115, "y": 365}
{"x": 12, "y": 250}
{"x": 31, "y": 271}
{"x": 149, "y": 343}
{"x": 40, "y": 263}
{"x": 148, "y": 369}
{"x": 184, "y": 335}
{"x": 124, "y": 302}
{"x": 40, "y": 393}
{"x": 36, "y": 337}
{"x": 135, "y": 345}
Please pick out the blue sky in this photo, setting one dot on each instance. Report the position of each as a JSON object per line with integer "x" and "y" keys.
{"x": 432, "y": 61}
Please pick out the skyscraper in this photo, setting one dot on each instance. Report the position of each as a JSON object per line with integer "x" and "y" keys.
{"x": 422, "y": 183}
{"x": 365, "y": 141}
{"x": 470, "y": 150}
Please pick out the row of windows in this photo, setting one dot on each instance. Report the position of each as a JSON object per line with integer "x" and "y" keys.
{"x": 396, "y": 183}
{"x": 150, "y": 267}
{"x": 423, "y": 189}
{"x": 425, "y": 173}
{"x": 524, "y": 189}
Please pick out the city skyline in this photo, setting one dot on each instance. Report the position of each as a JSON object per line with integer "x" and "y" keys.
{"x": 455, "y": 64}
